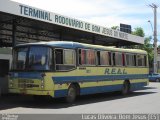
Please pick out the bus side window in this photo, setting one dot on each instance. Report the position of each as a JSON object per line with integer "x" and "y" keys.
{"x": 113, "y": 59}
{"x": 59, "y": 56}
{"x": 110, "y": 59}
{"x": 135, "y": 60}
{"x": 79, "y": 53}
{"x": 141, "y": 59}
{"x": 91, "y": 58}
{"x": 130, "y": 59}
{"x": 87, "y": 57}
{"x": 65, "y": 59}
{"x": 98, "y": 57}
{"x": 145, "y": 60}
{"x": 117, "y": 59}
{"x": 82, "y": 56}
{"x": 123, "y": 59}
{"x": 104, "y": 58}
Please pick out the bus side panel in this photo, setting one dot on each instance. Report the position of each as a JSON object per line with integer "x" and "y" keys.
{"x": 90, "y": 90}
{"x": 138, "y": 84}
{"x": 97, "y": 81}
{"x": 100, "y": 87}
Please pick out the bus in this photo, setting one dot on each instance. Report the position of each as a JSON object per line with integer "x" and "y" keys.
{"x": 68, "y": 69}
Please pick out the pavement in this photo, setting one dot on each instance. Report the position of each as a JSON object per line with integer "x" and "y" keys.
{"x": 142, "y": 101}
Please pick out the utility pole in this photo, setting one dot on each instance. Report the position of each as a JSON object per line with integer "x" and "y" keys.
{"x": 154, "y": 6}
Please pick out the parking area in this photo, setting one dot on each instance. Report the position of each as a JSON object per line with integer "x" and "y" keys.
{"x": 143, "y": 101}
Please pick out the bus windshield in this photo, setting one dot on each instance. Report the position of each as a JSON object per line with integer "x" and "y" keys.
{"x": 32, "y": 58}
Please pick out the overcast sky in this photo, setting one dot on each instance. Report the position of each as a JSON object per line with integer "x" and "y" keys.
{"x": 107, "y": 13}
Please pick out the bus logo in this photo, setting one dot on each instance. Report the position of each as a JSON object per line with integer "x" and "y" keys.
{"x": 115, "y": 71}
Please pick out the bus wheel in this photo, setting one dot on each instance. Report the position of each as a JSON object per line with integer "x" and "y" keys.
{"x": 71, "y": 95}
{"x": 157, "y": 80}
{"x": 126, "y": 88}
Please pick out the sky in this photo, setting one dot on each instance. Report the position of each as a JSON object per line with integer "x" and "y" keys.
{"x": 106, "y": 13}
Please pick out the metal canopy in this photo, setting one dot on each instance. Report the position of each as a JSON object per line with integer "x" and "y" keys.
{"x": 16, "y": 29}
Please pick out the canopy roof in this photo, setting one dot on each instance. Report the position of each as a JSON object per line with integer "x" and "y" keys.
{"x": 22, "y": 23}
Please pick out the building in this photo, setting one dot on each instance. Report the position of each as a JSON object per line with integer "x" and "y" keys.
{"x": 5, "y": 65}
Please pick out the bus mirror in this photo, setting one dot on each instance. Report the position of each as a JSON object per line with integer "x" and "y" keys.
{"x": 43, "y": 60}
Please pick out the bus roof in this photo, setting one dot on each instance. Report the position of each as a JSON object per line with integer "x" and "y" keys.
{"x": 74, "y": 45}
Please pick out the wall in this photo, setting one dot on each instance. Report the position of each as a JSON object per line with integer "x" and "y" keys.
{"x": 5, "y": 54}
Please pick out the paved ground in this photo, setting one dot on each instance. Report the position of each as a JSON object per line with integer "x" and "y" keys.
{"x": 144, "y": 101}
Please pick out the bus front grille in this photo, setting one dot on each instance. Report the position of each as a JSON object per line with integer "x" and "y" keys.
{"x": 26, "y": 83}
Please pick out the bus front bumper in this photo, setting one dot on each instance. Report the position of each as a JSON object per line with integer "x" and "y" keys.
{"x": 32, "y": 92}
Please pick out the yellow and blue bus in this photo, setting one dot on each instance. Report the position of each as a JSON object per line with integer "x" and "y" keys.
{"x": 68, "y": 69}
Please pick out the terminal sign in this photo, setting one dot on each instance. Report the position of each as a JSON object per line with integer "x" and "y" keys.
{"x": 70, "y": 22}
{"x": 24, "y": 10}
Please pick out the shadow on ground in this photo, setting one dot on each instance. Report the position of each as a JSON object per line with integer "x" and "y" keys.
{"x": 13, "y": 101}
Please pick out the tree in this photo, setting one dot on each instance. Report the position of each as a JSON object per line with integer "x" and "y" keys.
{"x": 149, "y": 48}
{"x": 114, "y": 27}
{"x": 138, "y": 31}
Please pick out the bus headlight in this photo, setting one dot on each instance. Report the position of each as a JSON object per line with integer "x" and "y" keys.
{"x": 42, "y": 81}
{"x": 11, "y": 84}
{"x": 42, "y": 86}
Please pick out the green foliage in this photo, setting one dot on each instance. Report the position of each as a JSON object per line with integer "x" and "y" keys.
{"x": 114, "y": 27}
{"x": 149, "y": 48}
{"x": 138, "y": 31}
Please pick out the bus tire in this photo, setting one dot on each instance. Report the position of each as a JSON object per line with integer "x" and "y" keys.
{"x": 71, "y": 94}
{"x": 126, "y": 88}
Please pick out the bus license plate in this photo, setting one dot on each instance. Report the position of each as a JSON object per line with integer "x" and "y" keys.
{"x": 23, "y": 91}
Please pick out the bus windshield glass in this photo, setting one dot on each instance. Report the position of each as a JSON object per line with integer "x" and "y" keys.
{"x": 32, "y": 58}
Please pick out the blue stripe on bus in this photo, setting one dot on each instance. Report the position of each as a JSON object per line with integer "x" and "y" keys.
{"x": 60, "y": 93}
{"x": 30, "y": 75}
{"x": 68, "y": 79}
{"x": 101, "y": 89}
{"x": 137, "y": 86}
